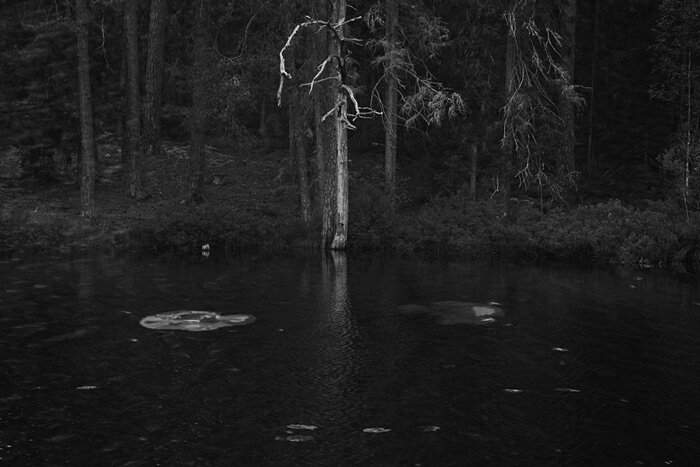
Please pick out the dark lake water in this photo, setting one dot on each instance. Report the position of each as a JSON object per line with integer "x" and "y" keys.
{"x": 585, "y": 368}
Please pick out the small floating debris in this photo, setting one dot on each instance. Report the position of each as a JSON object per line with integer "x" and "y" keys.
{"x": 560, "y": 349}
{"x": 189, "y": 320}
{"x": 296, "y": 426}
{"x": 376, "y": 430}
{"x": 294, "y": 438}
{"x": 85, "y": 388}
{"x": 513, "y": 390}
{"x": 429, "y": 428}
{"x": 567, "y": 390}
{"x": 453, "y": 312}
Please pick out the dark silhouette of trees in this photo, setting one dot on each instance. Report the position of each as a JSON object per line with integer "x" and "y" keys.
{"x": 87, "y": 146}
{"x": 132, "y": 140}
{"x": 198, "y": 112}
{"x": 154, "y": 78}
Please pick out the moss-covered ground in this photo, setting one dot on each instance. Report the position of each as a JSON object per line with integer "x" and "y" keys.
{"x": 253, "y": 204}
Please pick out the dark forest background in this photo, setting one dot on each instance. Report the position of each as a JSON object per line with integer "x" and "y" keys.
{"x": 559, "y": 104}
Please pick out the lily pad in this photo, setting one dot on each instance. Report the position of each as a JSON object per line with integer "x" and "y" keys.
{"x": 452, "y": 312}
{"x": 297, "y": 426}
{"x": 191, "y": 320}
{"x": 376, "y": 430}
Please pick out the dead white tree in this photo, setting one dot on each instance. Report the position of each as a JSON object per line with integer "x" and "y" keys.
{"x": 343, "y": 108}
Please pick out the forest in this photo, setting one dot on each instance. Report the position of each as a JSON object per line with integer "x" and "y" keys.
{"x": 524, "y": 129}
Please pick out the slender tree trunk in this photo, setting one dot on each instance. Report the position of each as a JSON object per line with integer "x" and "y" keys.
{"x": 390, "y": 108}
{"x": 590, "y": 153}
{"x": 87, "y": 147}
{"x": 198, "y": 112}
{"x": 298, "y": 148}
{"x": 133, "y": 111}
{"x": 568, "y": 22}
{"x": 154, "y": 79}
{"x": 320, "y": 11}
{"x": 509, "y": 88}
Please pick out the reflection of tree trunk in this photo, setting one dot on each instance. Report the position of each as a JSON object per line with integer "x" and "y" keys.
{"x": 472, "y": 181}
{"x": 390, "y": 108}
{"x": 154, "y": 78}
{"x": 198, "y": 112}
{"x": 87, "y": 147}
{"x": 133, "y": 117}
{"x": 566, "y": 107}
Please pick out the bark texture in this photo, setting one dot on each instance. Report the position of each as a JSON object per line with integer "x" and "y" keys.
{"x": 132, "y": 145}
{"x": 198, "y": 112}
{"x": 87, "y": 146}
{"x": 390, "y": 104}
{"x": 152, "y": 102}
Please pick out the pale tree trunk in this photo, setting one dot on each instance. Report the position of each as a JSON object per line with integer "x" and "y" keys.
{"x": 340, "y": 234}
{"x": 390, "y": 104}
{"x": 133, "y": 111}
{"x": 566, "y": 107}
{"x": 198, "y": 112}
{"x": 87, "y": 147}
{"x": 154, "y": 79}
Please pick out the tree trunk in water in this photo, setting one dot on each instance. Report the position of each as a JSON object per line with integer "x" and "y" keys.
{"x": 154, "y": 79}
{"x": 133, "y": 112}
{"x": 340, "y": 227}
{"x": 390, "y": 108}
{"x": 566, "y": 107}
{"x": 328, "y": 137}
{"x": 198, "y": 112}
{"x": 340, "y": 238}
{"x": 87, "y": 147}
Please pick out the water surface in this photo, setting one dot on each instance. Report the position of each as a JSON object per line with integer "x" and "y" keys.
{"x": 586, "y": 367}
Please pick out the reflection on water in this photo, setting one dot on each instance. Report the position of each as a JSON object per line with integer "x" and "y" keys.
{"x": 586, "y": 368}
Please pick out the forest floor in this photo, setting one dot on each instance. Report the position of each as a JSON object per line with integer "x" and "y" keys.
{"x": 254, "y": 180}
{"x": 252, "y": 203}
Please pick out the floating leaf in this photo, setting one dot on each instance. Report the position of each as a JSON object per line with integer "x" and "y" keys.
{"x": 295, "y": 426}
{"x": 376, "y": 430}
{"x": 430, "y": 428}
{"x": 187, "y": 320}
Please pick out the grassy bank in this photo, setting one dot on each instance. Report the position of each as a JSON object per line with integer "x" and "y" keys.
{"x": 252, "y": 204}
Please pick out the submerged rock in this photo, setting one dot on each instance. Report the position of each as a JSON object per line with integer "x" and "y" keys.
{"x": 190, "y": 320}
{"x": 451, "y": 312}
